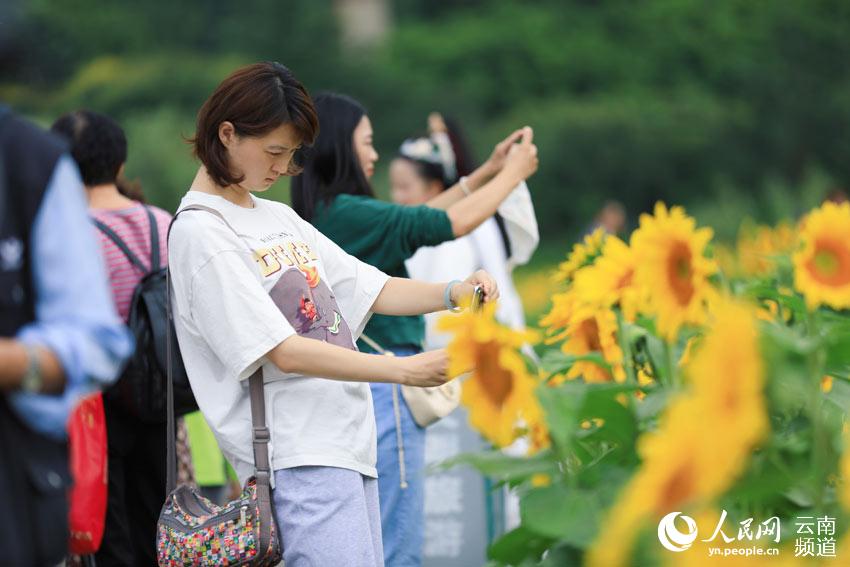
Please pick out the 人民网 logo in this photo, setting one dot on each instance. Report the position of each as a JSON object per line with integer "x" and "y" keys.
{"x": 670, "y": 536}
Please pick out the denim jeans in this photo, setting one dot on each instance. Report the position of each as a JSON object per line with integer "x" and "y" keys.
{"x": 402, "y": 497}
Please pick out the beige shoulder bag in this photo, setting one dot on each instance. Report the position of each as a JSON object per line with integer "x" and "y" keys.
{"x": 428, "y": 405}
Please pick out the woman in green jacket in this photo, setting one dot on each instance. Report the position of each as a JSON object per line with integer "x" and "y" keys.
{"x": 334, "y": 194}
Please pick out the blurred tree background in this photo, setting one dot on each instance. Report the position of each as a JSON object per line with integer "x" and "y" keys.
{"x": 733, "y": 108}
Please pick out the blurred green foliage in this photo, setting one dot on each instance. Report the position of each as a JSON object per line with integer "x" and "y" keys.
{"x": 733, "y": 108}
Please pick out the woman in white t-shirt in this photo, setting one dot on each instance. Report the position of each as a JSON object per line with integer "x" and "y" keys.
{"x": 282, "y": 296}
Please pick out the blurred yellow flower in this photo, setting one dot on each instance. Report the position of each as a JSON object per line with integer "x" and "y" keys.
{"x": 822, "y": 264}
{"x": 557, "y": 321}
{"x": 541, "y": 479}
{"x": 672, "y": 270}
{"x": 666, "y": 481}
{"x": 593, "y": 331}
{"x": 758, "y": 247}
{"x": 582, "y": 254}
{"x": 727, "y": 260}
{"x": 691, "y": 461}
{"x": 535, "y": 289}
{"x": 610, "y": 280}
{"x": 826, "y": 384}
{"x": 500, "y": 391}
{"x": 727, "y": 376}
{"x": 644, "y": 378}
{"x": 536, "y": 429}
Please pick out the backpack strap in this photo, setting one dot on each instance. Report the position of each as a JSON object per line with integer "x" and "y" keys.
{"x": 121, "y": 245}
{"x": 126, "y": 250}
{"x": 154, "y": 239}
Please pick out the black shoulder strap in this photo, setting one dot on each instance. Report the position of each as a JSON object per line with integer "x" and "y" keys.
{"x": 121, "y": 245}
{"x": 126, "y": 250}
{"x": 4, "y": 112}
{"x": 154, "y": 239}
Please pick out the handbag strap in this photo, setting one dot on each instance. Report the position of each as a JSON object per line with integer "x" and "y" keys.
{"x": 260, "y": 430}
{"x": 373, "y": 345}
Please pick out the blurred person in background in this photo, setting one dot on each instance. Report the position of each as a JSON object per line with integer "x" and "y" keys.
{"x": 61, "y": 337}
{"x": 333, "y": 193}
{"x": 136, "y": 449}
{"x": 836, "y": 195}
{"x": 611, "y": 218}
{"x": 424, "y": 168}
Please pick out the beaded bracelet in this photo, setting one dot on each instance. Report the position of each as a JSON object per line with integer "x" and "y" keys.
{"x": 447, "y": 296}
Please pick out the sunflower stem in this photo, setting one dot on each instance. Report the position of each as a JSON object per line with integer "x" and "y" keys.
{"x": 626, "y": 347}
{"x": 670, "y": 366}
{"x": 816, "y": 359}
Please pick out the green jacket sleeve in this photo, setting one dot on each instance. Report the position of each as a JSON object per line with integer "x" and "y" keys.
{"x": 384, "y": 234}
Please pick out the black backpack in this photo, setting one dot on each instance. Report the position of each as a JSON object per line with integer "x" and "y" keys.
{"x": 141, "y": 388}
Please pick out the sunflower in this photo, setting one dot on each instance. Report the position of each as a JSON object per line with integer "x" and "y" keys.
{"x": 594, "y": 331}
{"x": 582, "y": 254}
{"x": 536, "y": 429}
{"x": 557, "y": 321}
{"x": 758, "y": 247}
{"x": 500, "y": 391}
{"x": 610, "y": 280}
{"x": 727, "y": 376}
{"x": 692, "y": 461}
{"x": 672, "y": 270}
{"x": 666, "y": 481}
{"x": 822, "y": 264}
{"x": 644, "y": 378}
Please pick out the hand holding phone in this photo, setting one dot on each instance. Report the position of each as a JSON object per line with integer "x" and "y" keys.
{"x": 477, "y": 299}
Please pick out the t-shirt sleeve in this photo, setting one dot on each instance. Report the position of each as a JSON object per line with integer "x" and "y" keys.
{"x": 355, "y": 284}
{"x": 395, "y": 232}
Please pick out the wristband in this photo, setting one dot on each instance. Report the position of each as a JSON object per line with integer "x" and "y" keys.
{"x": 32, "y": 380}
{"x": 464, "y": 186}
{"x": 447, "y": 296}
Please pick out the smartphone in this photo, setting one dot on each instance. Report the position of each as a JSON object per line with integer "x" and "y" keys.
{"x": 477, "y": 299}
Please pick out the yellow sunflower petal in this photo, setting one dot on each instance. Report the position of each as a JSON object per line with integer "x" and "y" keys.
{"x": 822, "y": 265}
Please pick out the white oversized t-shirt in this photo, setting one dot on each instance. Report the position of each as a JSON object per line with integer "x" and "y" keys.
{"x": 237, "y": 297}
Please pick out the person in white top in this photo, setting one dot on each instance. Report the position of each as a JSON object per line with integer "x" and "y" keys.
{"x": 423, "y": 168}
{"x": 270, "y": 290}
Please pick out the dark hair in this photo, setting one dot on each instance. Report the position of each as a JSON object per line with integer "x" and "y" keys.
{"x": 424, "y": 154}
{"x": 427, "y": 170}
{"x": 256, "y": 99}
{"x": 464, "y": 160}
{"x": 98, "y": 145}
{"x": 331, "y": 166}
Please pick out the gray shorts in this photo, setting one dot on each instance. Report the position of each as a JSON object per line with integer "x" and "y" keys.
{"x": 328, "y": 517}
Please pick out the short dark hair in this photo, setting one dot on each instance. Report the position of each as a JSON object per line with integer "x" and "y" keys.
{"x": 331, "y": 166}
{"x": 256, "y": 99}
{"x": 98, "y": 145}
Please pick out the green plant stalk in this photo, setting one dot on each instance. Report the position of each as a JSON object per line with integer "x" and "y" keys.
{"x": 670, "y": 366}
{"x": 626, "y": 347}
{"x": 815, "y": 361}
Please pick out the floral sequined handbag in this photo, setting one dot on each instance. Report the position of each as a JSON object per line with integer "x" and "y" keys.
{"x": 194, "y": 531}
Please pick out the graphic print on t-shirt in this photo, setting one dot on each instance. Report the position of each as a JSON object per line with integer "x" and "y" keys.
{"x": 304, "y": 299}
